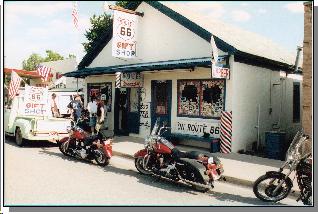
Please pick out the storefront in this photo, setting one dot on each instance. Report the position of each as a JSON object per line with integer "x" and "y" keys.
{"x": 171, "y": 79}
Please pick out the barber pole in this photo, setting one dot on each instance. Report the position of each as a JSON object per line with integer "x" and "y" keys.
{"x": 226, "y": 132}
{"x": 118, "y": 80}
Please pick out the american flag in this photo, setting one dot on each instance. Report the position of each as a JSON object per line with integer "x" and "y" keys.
{"x": 75, "y": 14}
{"x": 14, "y": 84}
{"x": 44, "y": 72}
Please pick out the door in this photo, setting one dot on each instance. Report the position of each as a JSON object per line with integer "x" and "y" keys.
{"x": 121, "y": 105}
{"x": 133, "y": 110}
{"x": 161, "y": 101}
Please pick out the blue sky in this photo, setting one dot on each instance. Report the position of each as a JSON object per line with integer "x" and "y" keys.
{"x": 33, "y": 27}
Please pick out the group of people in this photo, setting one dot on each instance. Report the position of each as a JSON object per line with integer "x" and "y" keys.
{"x": 95, "y": 108}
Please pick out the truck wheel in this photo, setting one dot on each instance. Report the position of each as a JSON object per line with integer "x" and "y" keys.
{"x": 18, "y": 137}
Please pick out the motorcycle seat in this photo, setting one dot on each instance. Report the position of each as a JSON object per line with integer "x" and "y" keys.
{"x": 176, "y": 153}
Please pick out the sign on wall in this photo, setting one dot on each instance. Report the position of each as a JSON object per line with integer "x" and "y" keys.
{"x": 124, "y": 35}
{"x": 198, "y": 128}
{"x": 36, "y": 101}
{"x": 221, "y": 68}
{"x": 129, "y": 80}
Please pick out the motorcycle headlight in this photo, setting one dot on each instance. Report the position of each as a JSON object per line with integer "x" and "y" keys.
{"x": 210, "y": 160}
{"x": 68, "y": 129}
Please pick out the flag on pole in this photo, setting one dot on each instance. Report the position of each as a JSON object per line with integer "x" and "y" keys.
{"x": 44, "y": 72}
{"x": 106, "y": 7}
{"x": 75, "y": 15}
{"x": 14, "y": 84}
{"x": 215, "y": 54}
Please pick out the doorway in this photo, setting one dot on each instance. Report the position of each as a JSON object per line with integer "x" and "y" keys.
{"x": 127, "y": 117}
{"x": 161, "y": 102}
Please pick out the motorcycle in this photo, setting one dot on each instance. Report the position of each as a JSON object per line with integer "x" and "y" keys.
{"x": 161, "y": 158}
{"x": 81, "y": 145}
{"x": 277, "y": 185}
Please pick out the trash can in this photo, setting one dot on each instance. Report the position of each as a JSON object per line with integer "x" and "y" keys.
{"x": 215, "y": 146}
{"x": 275, "y": 145}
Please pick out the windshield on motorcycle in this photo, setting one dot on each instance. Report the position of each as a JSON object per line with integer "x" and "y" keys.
{"x": 294, "y": 150}
{"x": 155, "y": 128}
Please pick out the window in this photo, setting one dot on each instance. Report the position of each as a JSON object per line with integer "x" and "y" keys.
{"x": 134, "y": 100}
{"x": 296, "y": 102}
{"x": 201, "y": 98}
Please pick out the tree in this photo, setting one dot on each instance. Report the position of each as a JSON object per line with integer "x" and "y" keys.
{"x": 99, "y": 24}
{"x": 34, "y": 60}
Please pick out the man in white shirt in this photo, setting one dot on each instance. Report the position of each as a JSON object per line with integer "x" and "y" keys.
{"x": 92, "y": 109}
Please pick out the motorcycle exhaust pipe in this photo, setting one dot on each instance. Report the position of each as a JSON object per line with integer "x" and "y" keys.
{"x": 194, "y": 183}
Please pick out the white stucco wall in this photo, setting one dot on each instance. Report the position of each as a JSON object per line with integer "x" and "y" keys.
{"x": 159, "y": 38}
{"x": 144, "y": 131}
{"x": 252, "y": 87}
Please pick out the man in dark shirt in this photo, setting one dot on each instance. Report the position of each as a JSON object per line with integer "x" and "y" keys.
{"x": 76, "y": 107}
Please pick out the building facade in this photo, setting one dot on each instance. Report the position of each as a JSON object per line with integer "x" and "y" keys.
{"x": 173, "y": 75}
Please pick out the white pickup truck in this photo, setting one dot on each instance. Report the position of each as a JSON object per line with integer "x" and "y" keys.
{"x": 25, "y": 127}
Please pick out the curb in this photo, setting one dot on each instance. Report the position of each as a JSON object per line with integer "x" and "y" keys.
{"x": 232, "y": 180}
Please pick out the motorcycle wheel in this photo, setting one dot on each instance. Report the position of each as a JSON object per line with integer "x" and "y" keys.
{"x": 101, "y": 158}
{"x": 63, "y": 148}
{"x": 268, "y": 190}
{"x": 139, "y": 166}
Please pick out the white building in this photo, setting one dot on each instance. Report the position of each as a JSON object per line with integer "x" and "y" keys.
{"x": 58, "y": 68}
{"x": 174, "y": 60}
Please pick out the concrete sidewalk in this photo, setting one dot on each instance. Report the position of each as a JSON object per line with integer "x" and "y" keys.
{"x": 239, "y": 169}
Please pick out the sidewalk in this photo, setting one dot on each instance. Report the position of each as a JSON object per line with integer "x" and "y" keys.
{"x": 239, "y": 169}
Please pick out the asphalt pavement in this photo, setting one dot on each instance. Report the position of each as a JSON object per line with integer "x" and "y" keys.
{"x": 38, "y": 174}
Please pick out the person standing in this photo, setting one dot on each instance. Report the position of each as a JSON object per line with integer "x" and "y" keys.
{"x": 100, "y": 115}
{"x": 92, "y": 109}
{"x": 76, "y": 107}
{"x": 54, "y": 108}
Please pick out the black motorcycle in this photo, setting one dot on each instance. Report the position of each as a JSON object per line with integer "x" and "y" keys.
{"x": 275, "y": 185}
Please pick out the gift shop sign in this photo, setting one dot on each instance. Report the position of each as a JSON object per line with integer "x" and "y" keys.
{"x": 124, "y": 35}
{"x": 35, "y": 101}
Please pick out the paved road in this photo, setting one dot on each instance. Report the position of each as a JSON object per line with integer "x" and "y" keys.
{"x": 39, "y": 174}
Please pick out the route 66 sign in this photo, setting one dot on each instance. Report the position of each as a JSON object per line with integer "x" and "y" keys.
{"x": 124, "y": 35}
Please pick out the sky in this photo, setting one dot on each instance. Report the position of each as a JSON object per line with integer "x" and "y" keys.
{"x": 33, "y": 27}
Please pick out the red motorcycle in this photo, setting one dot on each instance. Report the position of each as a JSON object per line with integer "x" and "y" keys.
{"x": 161, "y": 158}
{"x": 81, "y": 145}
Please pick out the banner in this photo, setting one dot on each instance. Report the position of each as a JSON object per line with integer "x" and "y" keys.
{"x": 36, "y": 101}
{"x": 124, "y": 35}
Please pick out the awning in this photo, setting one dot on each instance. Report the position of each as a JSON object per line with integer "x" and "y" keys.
{"x": 139, "y": 67}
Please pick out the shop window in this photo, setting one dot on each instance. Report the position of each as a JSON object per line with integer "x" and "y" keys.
{"x": 200, "y": 98}
{"x": 296, "y": 102}
{"x": 102, "y": 91}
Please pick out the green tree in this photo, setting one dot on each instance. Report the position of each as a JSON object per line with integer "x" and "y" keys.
{"x": 34, "y": 59}
{"x": 99, "y": 24}
{"x": 52, "y": 56}
{"x": 31, "y": 63}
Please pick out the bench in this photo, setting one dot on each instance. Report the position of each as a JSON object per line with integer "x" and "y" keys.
{"x": 175, "y": 138}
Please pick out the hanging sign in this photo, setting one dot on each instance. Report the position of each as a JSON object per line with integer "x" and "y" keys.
{"x": 129, "y": 80}
{"x": 124, "y": 35}
{"x": 221, "y": 68}
{"x": 36, "y": 101}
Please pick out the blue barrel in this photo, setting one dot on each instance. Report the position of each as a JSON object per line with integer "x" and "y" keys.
{"x": 275, "y": 145}
{"x": 215, "y": 146}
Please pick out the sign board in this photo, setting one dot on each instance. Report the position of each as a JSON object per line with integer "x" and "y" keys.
{"x": 198, "y": 128}
{"x": 36, "y": 101}
{"x": 221, "y": 68}
{"x": 124, "y": 35}
{"x": 129, "y": 80}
